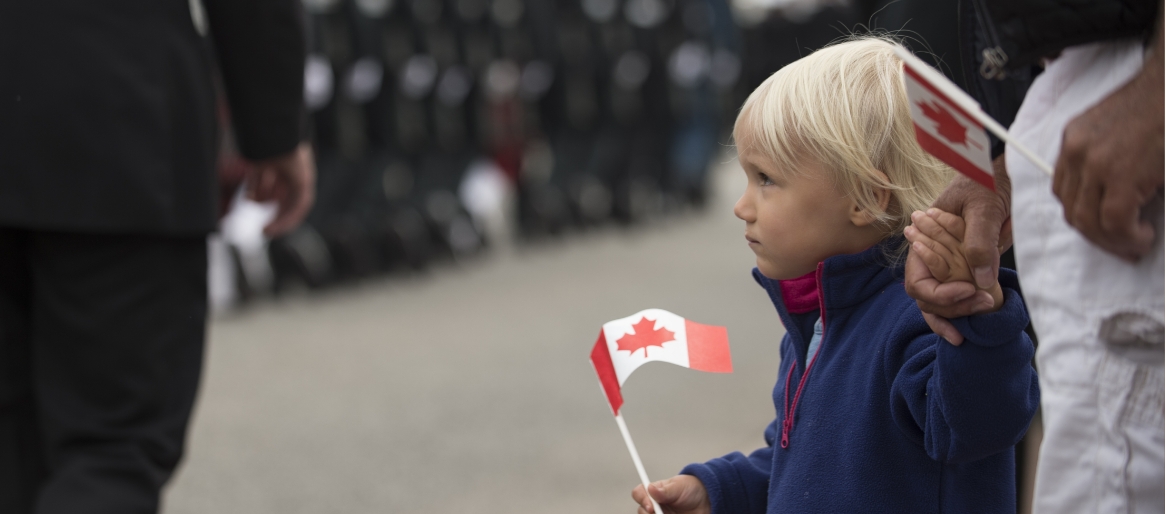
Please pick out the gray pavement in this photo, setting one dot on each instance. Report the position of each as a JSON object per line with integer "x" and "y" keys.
{"x": 469, "y": 390}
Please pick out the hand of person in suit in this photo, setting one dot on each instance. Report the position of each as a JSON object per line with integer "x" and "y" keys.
{"x": 1111, "y": 163}
{"x": 988, "y": 234}
{"x": 289, "y": 180}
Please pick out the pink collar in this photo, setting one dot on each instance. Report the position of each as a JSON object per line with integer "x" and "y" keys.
{"x": 800, "y": 295}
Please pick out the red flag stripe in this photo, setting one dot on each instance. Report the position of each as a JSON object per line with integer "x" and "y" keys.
{"x": 708, "y": 347}
{"x": 944, "y": 153}
{"x": 601, "y": 359}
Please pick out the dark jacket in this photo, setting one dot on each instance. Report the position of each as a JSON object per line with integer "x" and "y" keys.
{"x": 1027, "y": 30}
{"x": 107, "y": 107}
{"x": 887, "y": 417}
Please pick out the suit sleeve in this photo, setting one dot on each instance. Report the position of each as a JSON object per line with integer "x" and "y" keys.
{"x": 736, "y": 483}
{"x": 963, "y": 403}
{"x": 261, "y": 47}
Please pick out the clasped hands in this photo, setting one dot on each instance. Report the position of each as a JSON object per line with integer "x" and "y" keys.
{"x": 938, "y": 265}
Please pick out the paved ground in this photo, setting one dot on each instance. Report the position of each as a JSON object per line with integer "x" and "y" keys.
{"x": 469, "y": 390}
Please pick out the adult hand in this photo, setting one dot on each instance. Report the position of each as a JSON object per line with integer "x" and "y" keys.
{"x": 988, "y": 234}
{"x": 681, "y": 494}
{"x": 290, "y": 181}
{"x": 1111, "y": 164}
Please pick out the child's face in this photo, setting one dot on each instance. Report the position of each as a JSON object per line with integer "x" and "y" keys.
{"x": 793, "y": 221}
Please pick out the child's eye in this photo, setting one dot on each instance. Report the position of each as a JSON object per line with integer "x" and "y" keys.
{"x": 764, "y": 179}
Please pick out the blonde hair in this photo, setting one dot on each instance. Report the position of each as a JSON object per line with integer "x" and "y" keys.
{"x": 845, "y": 107}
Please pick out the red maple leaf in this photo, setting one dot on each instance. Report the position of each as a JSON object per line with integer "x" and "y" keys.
{"x": 645, "y": 334}
{"x": 948, "y": 126}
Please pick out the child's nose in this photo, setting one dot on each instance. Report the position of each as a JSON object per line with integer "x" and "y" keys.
{"x": 743, "y": 209}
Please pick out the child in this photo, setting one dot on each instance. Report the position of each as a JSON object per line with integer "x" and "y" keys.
{"x": 875, "y": 413}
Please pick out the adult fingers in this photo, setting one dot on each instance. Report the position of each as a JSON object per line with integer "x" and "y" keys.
{"x": 258, "y": 182}
{"x": 250, "y": 183}
{"x": 294, "y": 201}
{"x": 297, "y": 190}
{"x": 285, "y": 211}
{"x": 981, "y": 244}
{"x": 979, "y": 301}
{"x": 1086, "y": 213}
{"x": 1121, "y": 229}
{"x": 943, "y": 328}
{"x": 950, "y": 300}
{"x": 268, "y": 182}
{"x": 1068, "y": 170}
{"x": 1061, "y": 172}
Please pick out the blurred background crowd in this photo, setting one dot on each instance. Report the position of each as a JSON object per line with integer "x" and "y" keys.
{"x": 444, "y": 127}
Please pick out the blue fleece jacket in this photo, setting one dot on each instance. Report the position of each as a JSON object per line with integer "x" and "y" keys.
{"x": 887, "y": 417}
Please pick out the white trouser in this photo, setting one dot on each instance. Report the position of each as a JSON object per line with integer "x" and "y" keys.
{"x": 1098, "y": 319}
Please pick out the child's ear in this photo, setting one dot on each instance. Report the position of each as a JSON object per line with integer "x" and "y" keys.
{"x": 862, "y": 217}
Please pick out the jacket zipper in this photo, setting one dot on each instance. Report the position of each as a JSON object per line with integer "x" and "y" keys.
{"x": 994, "y": 57}
{"x": 787, "y": 423}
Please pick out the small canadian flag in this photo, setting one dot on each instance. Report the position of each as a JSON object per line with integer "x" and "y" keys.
{"x": 945, "y": 125}
{"x": 656, "y": 335}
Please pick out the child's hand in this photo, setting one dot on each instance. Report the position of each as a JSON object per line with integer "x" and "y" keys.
{"x": 937, "y": 237}
{"x": 681, "y": 494}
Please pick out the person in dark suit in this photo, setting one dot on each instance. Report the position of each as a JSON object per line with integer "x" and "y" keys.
{"x": 107, "y": 193}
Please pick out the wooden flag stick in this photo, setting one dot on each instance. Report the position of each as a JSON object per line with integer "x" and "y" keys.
{"x": 970, "y": 106}
{"x": 1008, "y": 140}
{"x": 627, "y": 439}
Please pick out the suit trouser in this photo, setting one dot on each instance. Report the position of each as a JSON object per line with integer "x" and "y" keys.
{"x": 101, "y": 346}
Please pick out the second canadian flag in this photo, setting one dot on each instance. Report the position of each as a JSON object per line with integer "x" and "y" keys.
{"x": 656, "y": 335}
{"x": 944, "y": 128}
{"x": 950, "y": 125}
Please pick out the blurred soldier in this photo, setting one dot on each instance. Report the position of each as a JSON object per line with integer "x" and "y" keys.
{"x": 107, "y": 193}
